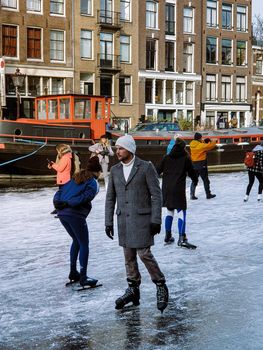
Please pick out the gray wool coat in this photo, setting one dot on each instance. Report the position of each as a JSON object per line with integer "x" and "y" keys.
{"x": 139, "y": 203}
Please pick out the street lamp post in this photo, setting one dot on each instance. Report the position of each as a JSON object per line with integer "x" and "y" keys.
{"x": 18, "y": 81}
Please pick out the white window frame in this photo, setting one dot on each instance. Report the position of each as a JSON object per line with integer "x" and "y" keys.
{"x": 210, "y": 90}
{"x": 40, "y": 12}
{"x": 241, "y": 29}
{"x": 186, "y": 24}
{"x": 126, "y": 45}
{"x": 8, "y": 6}
{"x": 130, "y": 11}
{"x": 86, "y": 40}
{"x": 58, "y": 14}
{"x": 192, "y": 56}
{"x": 212, "y": 25}
{"x": 130, "y": 102}
{"x": 64, "y": 46}
{"x": 38, "y": 59}
{"x": 240, "y": 91}
{"x": 226, "y": 85}
{"x": 91, "y": 9}
{"x": 17, "y": 57}
{"x": 156, "y": 14}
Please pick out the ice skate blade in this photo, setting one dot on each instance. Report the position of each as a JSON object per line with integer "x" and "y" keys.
{"x": 80, "y": 289}
{"x": 168, "y": 243}
{"x": 190, "y": 246}
{"x": 127, "y": 308}
{"x": 70, "y": 283}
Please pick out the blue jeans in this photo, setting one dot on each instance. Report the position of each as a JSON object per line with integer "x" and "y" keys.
{"x": 77, "y": 228}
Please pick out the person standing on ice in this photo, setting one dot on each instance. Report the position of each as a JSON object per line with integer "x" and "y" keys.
{"x": 199, "y": 149}
{"x": 73, "y": 205}
{"x": 134, "y": 185}
{"x": 256, "y": 171}
{"x": 175, "y": 167}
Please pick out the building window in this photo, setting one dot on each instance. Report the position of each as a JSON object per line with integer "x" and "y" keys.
{"x": 33, "y": 5}
{"x": 179, "y": 93}
{"x": 125, "y": 48}
{"x": 259, "y": 65}
{"x": 188, "y": 58}
{"x": 86, "y": 44}
{"x": 169, "y": 19}
{"x": 151, "y": 14}
{"x": 34, "y": 43}
{"x": 241, "y": 53}
{"x": 158, "y": 91}
{"x": 188, "y": 20}
{"x": 226, "y": 16}
{"x": 9, "y": 41}
{"x": 241, "y": 89}
{"x": 211, "y": 87}
{"x": 57, "y": 7}
{"x": 211, "y": 50}
{"x": 57, "y": 86}
{"x": 242, "y": 18}
{"x": 211, "y": 14}
{"x": 226, "y": 51}
{"x": 169, "y": 91}
{"x": 189, "y": 93}
{"x": 86, "y": 7}
{"x": 12, "y": 4}
{"x": 148, "y": 90}
{"x": 150, "y": 54}
{"x": 226, "y": 88}
{"x": 106, "y": 86}
{"x": 33, "y": 85}
{"x": 125, "y": 90}
{"x": 56, "y": 45}
{"x": 169, "y": 56}
{"x": 106, "y": 49}
{"x": 125, "y": 7}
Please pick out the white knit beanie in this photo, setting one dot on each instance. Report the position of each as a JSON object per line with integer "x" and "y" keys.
{"x": 127, "y": 142}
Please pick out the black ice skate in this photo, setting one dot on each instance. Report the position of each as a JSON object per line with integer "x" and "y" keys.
{"x": 131, "y": 295}
{"x": 168, "y": 238}
{"x": 183, "y": 242}
{"x": 162, "y": 296}
{"x": 88, "y": 283}
{"x": 74, "y": 276}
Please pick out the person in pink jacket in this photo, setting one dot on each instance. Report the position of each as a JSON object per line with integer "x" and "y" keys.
{"x": 63, "y": 164}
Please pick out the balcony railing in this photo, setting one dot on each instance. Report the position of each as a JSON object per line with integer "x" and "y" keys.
{"x": 109, "y": 61}
{"x": 169, "y": 27}
{"x": 109, "y": 18}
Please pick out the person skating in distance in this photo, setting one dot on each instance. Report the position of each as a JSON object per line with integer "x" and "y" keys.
{"x": 199, "y": 149}
{"x": 134, "y": 186}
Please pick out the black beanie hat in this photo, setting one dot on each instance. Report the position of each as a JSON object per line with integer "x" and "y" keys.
{"x": 197, "y": 136}
{"x": 94, "y": 164}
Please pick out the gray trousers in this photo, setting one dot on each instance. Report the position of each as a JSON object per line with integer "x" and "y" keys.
{"x": 105, "y": 167}
{"x": 146, "y": 256}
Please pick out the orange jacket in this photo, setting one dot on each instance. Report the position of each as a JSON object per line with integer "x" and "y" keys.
{"x": 199, "y": 149}
{"x": 63, "y": 168}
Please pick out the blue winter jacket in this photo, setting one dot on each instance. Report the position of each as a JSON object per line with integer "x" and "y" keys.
{"x": 77, "y": 197}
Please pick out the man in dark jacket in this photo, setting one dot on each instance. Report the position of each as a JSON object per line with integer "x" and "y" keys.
{"x": 175, "y": 167}
{"x": 134, "y": 185}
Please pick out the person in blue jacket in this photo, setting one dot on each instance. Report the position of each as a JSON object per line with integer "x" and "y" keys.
{"x": 73, "y": 204}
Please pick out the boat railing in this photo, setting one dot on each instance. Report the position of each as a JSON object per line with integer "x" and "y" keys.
{"x": 44, "y": 139}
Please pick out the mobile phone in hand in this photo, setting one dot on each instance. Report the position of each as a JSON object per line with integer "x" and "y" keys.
{"x": 49, "y": 161}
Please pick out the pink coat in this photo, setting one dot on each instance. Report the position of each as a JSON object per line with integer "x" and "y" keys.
{"x": 63, "y": 168}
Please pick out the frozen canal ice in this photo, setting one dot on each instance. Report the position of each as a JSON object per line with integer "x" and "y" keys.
{"x": 216, "y": 292}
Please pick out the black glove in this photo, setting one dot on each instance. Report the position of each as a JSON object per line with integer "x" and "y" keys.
{"x": 155, "y": 228}
{"x": 207, "y": 140}
{"x": 104, "y": 153}
{"x": 109, "y": 231}
{"x": 59, "y": 205}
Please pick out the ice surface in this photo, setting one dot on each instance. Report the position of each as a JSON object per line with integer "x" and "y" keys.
{"x": 216, "y": 292}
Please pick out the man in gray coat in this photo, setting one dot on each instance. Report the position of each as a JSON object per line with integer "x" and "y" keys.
{"x": 134, "y": 185}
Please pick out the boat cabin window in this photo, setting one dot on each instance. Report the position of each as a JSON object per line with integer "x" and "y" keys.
{"x": 64, "y": 108}
{"x": 41, "y": 109}
{"x": 52, "y": 109}
{"x": 236, "y": 140}
{"x": 254, "y": 139}
{"x": 245, "y": 139}
{"x": 98, "y": 110}
{"x": 82, "y": 109}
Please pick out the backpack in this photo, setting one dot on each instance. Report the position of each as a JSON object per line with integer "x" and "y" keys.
{"x": 75, "y": 163}
{"x": 249, "y": 160}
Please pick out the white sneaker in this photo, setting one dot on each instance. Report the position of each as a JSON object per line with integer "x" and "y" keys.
{"x": 246, "y": 198}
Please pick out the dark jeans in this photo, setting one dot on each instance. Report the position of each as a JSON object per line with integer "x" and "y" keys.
{"x": 78, "y": 230}
{"x": 201, "y": 170}
{"x": 251, "y": 178}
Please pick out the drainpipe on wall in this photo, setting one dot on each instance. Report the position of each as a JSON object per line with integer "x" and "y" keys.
{"x": 73, "y": 42}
